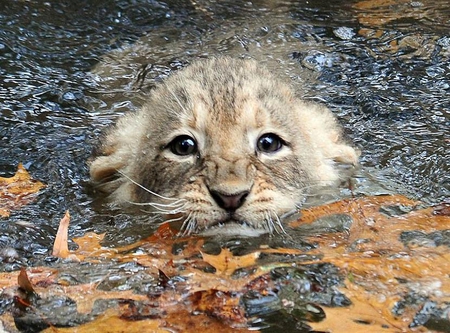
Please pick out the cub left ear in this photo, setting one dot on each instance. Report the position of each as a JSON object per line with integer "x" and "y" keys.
{"x": 326, "y": 134}
{"x": 340, "y": 152}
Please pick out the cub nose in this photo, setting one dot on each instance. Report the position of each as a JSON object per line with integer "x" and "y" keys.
{"x": 230, "y": 202}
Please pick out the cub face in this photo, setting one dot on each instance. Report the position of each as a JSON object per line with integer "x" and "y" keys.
{"x": 220, "y": 145}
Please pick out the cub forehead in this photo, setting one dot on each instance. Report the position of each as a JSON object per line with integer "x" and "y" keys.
{"x": 227, "y": 99}
{"x": 229, "y": 91}
{"x": 247, "y": 114}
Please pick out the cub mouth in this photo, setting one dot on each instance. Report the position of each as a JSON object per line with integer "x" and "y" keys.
{"x": 232, "y": 228}
{"x": 231, "y": 225}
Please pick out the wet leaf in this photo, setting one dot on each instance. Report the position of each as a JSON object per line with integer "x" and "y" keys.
{"x": 360, "y": 317}
{"x": 222, "y": 305}
{"x": 111, "y": 322}
{"x": 380, "y": 12}
{"x": 24, "y": 282}
{"x": 17, "y": 191}
{"x": 381, "y": 270}
{"x": 60, "y": 246}
{"x": 226, "y": 263}
{"x": 89, "y": 246}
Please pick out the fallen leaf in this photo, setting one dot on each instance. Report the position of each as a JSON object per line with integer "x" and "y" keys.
{"x": 60, "y": 246}
{"x": 380, "y": 268}
{"x": 17, "y": 191}
{"x": 360, "y": 317}
{"x": 89, "y": 247}
{"x": 110, "y": 322}
{"x": 24, "y": 281}
{"x": 222, "y": 305}
{"x": 380, "y": 12}
{"x": 226, "y": 263}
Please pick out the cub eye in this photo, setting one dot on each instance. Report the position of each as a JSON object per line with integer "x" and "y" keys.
{"x": 183, "y": 145}
{"x": 269, "y": 143}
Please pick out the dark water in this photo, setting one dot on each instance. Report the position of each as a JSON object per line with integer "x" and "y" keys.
{"x": 70, "y": 68}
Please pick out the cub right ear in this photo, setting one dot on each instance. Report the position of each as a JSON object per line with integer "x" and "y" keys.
{"x": 106, "y": 161}
{"x": 113, "y": 155}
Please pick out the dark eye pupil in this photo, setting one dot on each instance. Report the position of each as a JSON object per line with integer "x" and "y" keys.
{"x": 269, "y": 143}
{"x": 183, "y": 145}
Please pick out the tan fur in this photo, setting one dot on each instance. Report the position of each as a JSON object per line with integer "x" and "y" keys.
{"x": 225, "y": 105}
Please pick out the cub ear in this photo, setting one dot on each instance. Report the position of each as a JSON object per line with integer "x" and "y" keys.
{"x": 326, "y": 135}
{"x": 114, "y": 156}
{"x": 106, "y": 161}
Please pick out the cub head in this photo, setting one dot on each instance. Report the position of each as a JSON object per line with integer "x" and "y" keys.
{"x": 221, "y": 145}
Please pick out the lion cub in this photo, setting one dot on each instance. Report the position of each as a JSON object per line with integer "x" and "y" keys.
{"x": 221, "y": 145}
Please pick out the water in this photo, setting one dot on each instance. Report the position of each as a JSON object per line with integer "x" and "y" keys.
{"x": 68, "y": 69}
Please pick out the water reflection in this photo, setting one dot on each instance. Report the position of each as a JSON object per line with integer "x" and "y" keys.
{"x": 68, "y": 70}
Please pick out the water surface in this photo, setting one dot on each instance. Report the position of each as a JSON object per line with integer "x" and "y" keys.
{"x": 68, "y": 69}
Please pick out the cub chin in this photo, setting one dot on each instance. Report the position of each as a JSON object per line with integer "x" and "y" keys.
{"x": 222, "y": 146}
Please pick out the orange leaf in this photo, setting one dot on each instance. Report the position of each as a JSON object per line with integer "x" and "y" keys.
{"x": 111, "y": 322}
{"x": 226, "y": 263}
{"x": 223, "y": 305}
{"x": 360, "y": 317}
{"x": 17, "y": 191}
{"x": 89, "y": 246}
{"x": 60, "y": 247}
{"x": 381, "y": 269}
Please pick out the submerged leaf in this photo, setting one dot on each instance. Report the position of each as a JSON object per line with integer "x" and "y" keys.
{"x": 226, "y": 263}
{"x": 386, "y": 255}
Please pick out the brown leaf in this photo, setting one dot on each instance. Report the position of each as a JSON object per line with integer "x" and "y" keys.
{"x": 380, "y": 12}
{"x": 381, "y": 270}
{"x": 89, "y": 246}
{"x": 24, "y": 281}
{"x": 17, "y": 191}
{"x": 110, "y": 322}
{"x": 222, "y": 305}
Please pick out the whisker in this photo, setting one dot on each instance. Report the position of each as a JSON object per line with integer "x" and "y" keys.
{"x": 312, "y": 186}
{"x": 144, "y": 188}
{"x": 269, "y": 223}
{"x": 175, "y": 219}
{"x": 184, "y": 226}
{"x": 168, "y": 209}
{"x": 171, "y": 210}
{"x": 168, "y": 212}
{"x": 153, "y": 204}
{"x": 192, "y": 226}
{"x": 280, "y": 230}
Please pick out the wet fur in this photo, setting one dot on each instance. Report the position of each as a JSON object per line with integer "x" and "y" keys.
{"x": 226, "y": 105}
